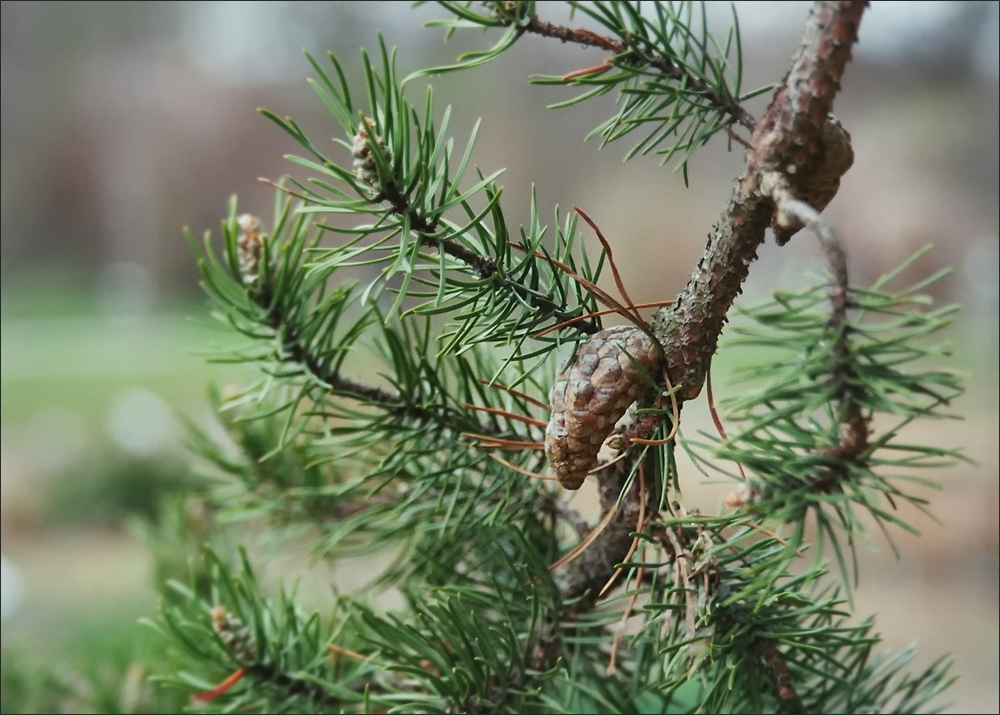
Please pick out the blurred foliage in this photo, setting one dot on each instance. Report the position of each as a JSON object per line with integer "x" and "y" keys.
{"x": 102, "y": 667}
{"x": 29, "y": 688}
{"x": 176, "y": 538}
{"x": 108, "y": 491}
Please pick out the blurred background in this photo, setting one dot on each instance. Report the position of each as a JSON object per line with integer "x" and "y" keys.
{"x": 124, "y": 122}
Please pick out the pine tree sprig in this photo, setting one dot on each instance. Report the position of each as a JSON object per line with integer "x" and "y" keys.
{"x": 804, "y": 432}
{"x": 513, "y": 602}
{"x": 402, "y": 180}
{"x": 679, "y": 80}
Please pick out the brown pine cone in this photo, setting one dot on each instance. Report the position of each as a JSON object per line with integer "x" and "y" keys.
{"x": 593, "y": 395}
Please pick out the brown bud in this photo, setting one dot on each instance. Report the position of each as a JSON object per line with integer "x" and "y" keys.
{"x": 234, "y": 634}
{"x": 364, "y": 163}
{"x": 249, "y": 246}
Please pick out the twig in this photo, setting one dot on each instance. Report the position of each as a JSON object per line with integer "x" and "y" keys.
{"x": 715, "y": 415}
{"x": 770, "y": 654}
{"x": 509, "y": 415}
{"x": 582, "y": 546}
{"x": 635, "y": 540}
{"x": 515, "y": 393}
{"x": 665, "y": 65}
{"x": 737, "y": 138}
{"x": 520, "y": 470}
{"x": 790, "y": 209}
{"x": 595, "y": 314}
{"x": 611, "y": 262}
{"x": 554, "y": 505}
{"x": 336, "y": 650}
{"x": 483, "y": 266}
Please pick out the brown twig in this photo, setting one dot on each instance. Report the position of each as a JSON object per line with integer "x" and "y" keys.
{"x": 635, "y": 540}
{"x": 515, "y": 393}
{"x": 622, "y": 290}
{"x": 336, "y": 650}
{"x": 769, "y": 653}
{"x": 595, "y": 314}
{"x": 520, "y": 470}
{"x": 554, "y": 505}
{"x": 509, "y": 415}
{"x": 715, "y": 416}
{"x": 790, "y": 210}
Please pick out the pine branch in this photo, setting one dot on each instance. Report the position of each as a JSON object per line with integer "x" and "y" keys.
{"x": 689, "y": 330}
{"x": 482, "y": 265}
{"x": 403, "y": 178}
{"x": 665, "y": 65}
{"x": 788, "y": 141}
{"x": 726, "y": 623}
{"x": 674, "y": 77}
{"x": 296, "y": 352}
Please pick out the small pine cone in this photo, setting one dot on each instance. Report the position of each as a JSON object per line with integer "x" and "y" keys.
{"x": 249, "y": 246}
{"x": 818, "y": 186}
{"x": 593, "y": 395}
{"x": 364, "y": 163}
{"x": 235, "y": 635}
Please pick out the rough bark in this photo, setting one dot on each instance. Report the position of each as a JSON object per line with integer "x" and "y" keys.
{"x": 803, "y": 146}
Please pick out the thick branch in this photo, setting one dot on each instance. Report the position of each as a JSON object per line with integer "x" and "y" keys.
{"x": 789, "y": 141}
{"x": 788, "y": 137}
{"x": 586, "y": 575}
{"x": 768, "y": 652}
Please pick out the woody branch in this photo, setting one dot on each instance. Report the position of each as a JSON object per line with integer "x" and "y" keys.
{"x": 804, "y": 152}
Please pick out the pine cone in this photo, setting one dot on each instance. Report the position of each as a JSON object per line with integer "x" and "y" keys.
{"x": 593, "y": 395}
{"x": 235, "y": 635}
